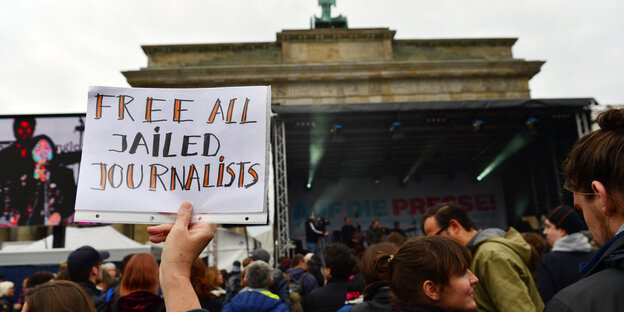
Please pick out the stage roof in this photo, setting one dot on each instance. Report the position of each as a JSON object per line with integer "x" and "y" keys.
{"x": 433, "y": 137}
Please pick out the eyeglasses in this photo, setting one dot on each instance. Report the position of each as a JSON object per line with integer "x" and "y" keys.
{"x": 441, "y": 230}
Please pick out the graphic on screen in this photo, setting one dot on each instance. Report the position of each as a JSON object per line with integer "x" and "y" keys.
{"x": 39, "y": 159}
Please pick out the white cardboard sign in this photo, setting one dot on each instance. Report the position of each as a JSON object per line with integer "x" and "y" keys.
{"x": 146, "y": 151}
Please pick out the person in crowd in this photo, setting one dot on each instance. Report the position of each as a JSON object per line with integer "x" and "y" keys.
{"x": 339, "y": 265}
{"x": 63, "y": 273}
{"x": 396, "y": 238}
{"x": 300, "y": 276}
{"x": 500, "y": 259}
{"x": 348, "y": 232}
{"x": 203, "y": 287}
{"x": 84, "y": 266}
{"x": 36, "y": 279}
{"x": 256, "y": 295}
{"x": 236, "y": 271}
{"x": 355, "y": 290}
{"x": 430, "y": 274}
{"x": 539, "y": 247}
{"x": 397, "y": 229}
{"x": 110, "y": 268}
{"x": 279, "y": 286}
{"x": 216, "y": 280}
{"x": 107, "y": 281}
{"x": 224, "y": 275}
{"x": 114, "y": 290}
{"x": 20, "y": 299}
{"x": 374, "y": 233}
{"x": 313, "y": 233}
{"x": 377, "y": 290}
{"x": 7, "y": 291}
{"x": 595, "y": 176}
{"x": 234, "y": 281}
{"x": 558, "y": 269}
{"x": 39, "y": 278}
{"x": 139, "y": 286}
{"x": 284, "y": 264}
{"x": 247, "y": 261}
{"x": 315, "y": 267}
{"x": 58, "y": 296}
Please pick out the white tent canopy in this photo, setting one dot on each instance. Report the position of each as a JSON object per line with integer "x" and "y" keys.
{"x": 101, "y": 238}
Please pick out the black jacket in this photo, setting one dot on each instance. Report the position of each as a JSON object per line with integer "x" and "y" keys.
{"x": 94, "y": 293}
{"x": 601, "y": 287}
{"x": 312, "y": 231}
{"x": 328, "y": 298}
{"x": 377, "y": 299}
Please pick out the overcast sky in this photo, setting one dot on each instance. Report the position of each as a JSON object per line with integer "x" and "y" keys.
{"x": 51, "y": 51}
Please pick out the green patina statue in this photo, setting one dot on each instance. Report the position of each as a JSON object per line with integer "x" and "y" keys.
{"x": 326, "y": 21}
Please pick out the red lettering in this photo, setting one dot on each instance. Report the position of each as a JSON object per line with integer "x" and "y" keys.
{"x": 398, "y": 204}
{"x": 417, "y": 204}
{"x": 481, "y": 202}
{"x": 493, "y": 202}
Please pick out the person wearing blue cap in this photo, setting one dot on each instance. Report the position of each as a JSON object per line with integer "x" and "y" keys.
{"x": 558, "y": 269}
{"x": 85, "y": 268}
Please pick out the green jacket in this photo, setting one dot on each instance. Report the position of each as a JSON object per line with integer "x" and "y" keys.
{"x": 505, "y": 282}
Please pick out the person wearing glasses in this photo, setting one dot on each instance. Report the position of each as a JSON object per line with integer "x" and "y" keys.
{"x": 500, "y": 259}
{"x": 595, "y": 176}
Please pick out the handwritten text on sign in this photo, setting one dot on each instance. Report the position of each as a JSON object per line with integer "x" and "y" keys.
{"x": 147, "y": 150}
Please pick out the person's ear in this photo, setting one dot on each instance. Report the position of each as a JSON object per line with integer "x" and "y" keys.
{"x": 245, "y": 281}
{"x": 454, "y": 228}
{"x": 431, "y": 290}
{"x": 607, "y": 204}
{"x": 94, "y": 270}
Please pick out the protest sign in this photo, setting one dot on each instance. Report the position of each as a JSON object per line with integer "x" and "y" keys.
{"x": 148, "y": 150}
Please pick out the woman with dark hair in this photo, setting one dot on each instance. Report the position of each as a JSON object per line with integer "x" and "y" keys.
{"x": 58, "y": 296}
{"x": 429, "y": 274}
{"x": 377, "y": 290}
{"x": 315, "y": 267}
{"x": 203, "y": 287}
{"x": 139, "y": 286}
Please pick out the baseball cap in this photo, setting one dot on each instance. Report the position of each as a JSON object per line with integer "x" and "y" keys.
{"x": 84, "y": 258}
{"x": 260, "y": 254}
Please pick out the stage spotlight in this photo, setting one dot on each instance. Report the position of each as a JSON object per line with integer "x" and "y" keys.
{"x": 396, "y": 132}
{"x": 477, "y": 124}
{"x": 336, "y": 132}
{"x": 531, "y": 122}
{"x": 377, "y": 180}
{"x": 516, "y": 144}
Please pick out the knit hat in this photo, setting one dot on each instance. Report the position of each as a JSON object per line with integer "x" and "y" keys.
{"x": 567, "y": 218}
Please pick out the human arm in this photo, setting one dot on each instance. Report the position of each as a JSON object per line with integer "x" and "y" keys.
{"x": 184, "y": 241}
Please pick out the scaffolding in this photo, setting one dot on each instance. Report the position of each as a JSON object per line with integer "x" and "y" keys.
{"x": 281, "y": 190}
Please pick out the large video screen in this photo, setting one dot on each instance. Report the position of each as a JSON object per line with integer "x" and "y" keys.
{"x": 39, "y": 163}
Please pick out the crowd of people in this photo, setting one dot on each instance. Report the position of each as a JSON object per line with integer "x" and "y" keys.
{"x": 454, "y": 267}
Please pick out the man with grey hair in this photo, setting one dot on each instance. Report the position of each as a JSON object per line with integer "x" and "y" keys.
{"x": 256, "y": 295}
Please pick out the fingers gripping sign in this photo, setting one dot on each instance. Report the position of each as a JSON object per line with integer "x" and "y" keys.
{"x": 184, "y": 241}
